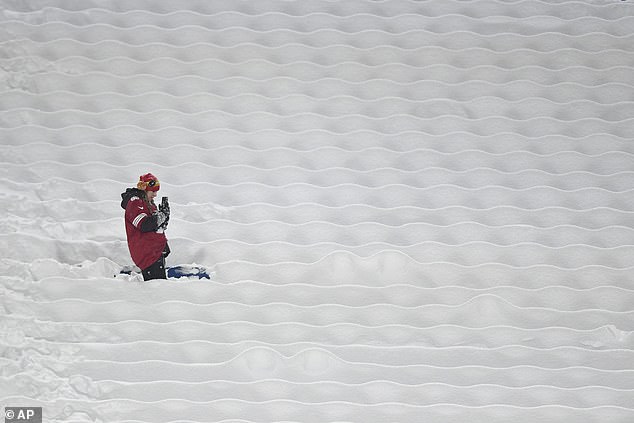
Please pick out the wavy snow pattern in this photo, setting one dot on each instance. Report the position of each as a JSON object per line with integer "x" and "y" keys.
{"x": 411, "y": 209}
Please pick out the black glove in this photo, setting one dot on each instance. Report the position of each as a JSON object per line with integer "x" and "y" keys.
{"x": 161, "y": 219}
{"x": 155, "y": 222}
{"x": 164, "y": 209}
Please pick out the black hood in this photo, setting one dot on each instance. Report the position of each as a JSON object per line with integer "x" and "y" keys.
{"x": 129, "y": 193}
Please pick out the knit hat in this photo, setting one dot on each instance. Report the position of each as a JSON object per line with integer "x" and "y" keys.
{"x": 148, "y": 182}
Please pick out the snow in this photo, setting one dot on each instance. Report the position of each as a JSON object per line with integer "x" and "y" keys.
{"x": 413, "y": 210}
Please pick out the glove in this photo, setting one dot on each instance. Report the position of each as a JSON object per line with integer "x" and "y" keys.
{"x": 161, "y": 219}
{"x": 164, "y": 208}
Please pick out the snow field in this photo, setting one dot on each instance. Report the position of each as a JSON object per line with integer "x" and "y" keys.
{"x": 414, "y": 210}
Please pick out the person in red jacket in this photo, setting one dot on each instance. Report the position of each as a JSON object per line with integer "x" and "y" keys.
{"x": 145, "y": 227}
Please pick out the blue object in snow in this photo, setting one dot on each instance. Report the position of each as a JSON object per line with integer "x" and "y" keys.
{"x": 187, "y": 271}
{"x": 182, "y": 271}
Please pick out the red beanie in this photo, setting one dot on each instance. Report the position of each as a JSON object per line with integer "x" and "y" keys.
{"x": 148, "y": 182}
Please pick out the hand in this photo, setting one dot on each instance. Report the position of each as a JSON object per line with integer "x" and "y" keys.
{"x": 161, "y": 219}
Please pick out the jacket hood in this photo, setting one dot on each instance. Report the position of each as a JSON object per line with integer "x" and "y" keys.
{"x": 129, "y": 193}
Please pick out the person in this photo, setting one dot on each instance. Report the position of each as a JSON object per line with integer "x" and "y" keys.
{"x": 145, "y": 227}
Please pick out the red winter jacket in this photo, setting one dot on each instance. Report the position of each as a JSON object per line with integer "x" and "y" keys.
{"x": 145, "y": 247}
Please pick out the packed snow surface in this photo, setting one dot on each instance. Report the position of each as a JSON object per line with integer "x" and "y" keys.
{"x": 414, "y": 211}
